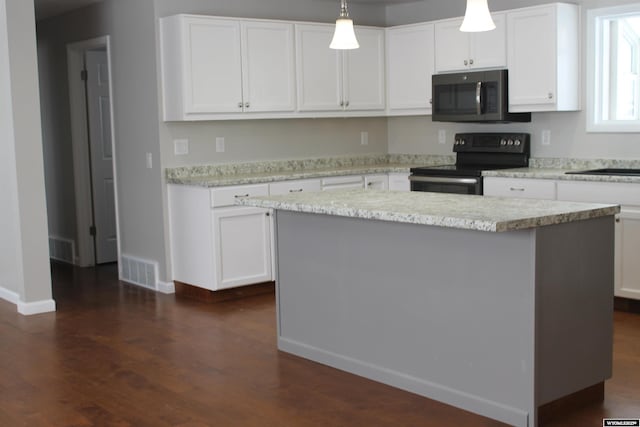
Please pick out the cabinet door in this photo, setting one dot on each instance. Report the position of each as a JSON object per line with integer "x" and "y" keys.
{"x": 627, "y": 273}
{"x": 212, "y": 64}
{"x": 451, "y": 46}
{"x": 242, "y": 246}
{"x": 532, "y": 57}
{"x": 268, "y": 67}
{"x": 318, "y": 69}
{"x": 488, "y": 49}
{"x": 410, "y": 65}
{"x": 363, "y": 72}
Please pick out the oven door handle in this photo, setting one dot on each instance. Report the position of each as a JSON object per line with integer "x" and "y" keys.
{"x": 443, "y": 180}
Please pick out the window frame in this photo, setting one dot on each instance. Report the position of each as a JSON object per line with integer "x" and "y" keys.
{"x": 596, "y": 90}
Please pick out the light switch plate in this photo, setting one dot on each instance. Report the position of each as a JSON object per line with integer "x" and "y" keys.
{"x": 546, "y": 137}
{"x": 442, "y": 136}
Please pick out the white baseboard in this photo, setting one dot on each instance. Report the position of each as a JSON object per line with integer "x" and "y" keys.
{"x": 9, "y": 296}
{"x": 166, "y": 287}
{"x": 27, "y": 308}
{"x": 37, "y": 307}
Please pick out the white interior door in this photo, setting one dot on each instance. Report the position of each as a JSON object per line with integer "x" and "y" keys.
{"x": 99, "y": 115}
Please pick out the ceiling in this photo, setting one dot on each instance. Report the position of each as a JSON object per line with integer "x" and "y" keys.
{"x": 49, "y": 8}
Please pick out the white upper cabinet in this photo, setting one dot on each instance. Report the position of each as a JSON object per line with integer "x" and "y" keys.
{"x": 410, "y": 65}
{"x": 459, "y": 51}
{"x": 334, "y": 80}
{"x": 213, "y": 66}
{"x": 543, "y": 58}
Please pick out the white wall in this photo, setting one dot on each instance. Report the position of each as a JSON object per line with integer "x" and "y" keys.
{"x": 568, "y": 129}
{"x": 24, "y": 258}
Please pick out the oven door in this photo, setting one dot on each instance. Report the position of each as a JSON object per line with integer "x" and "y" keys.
{"x": 441, "y": 184}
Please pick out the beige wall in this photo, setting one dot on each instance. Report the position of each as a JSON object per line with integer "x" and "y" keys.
{"x": 24, "y": 259}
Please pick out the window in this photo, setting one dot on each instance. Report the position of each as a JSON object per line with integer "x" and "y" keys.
{"x": 613, "y": 69}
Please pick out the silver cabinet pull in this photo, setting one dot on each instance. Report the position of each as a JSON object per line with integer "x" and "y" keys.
{"x": 241, "y": 196}
{"x": 443, "y": 180}
{"x": 550, "y": 95}
{"x": 466, "y": 62}
{"x": 516, "y": 189}
{"x": 239, "y": 104}
{"x": 471, "y": 62}
{"x": 479, "y": 98}
{"x": 246, "y": 105}
{"x": 298, "y": 190}
{"x": 431, "y": 101}
{"x": 346, "y": 104}
{"x": 342, "y": 103}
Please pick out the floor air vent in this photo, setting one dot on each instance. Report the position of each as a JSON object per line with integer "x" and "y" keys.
{"x": 139, "y": 271}
{"x": 61, "y": 249}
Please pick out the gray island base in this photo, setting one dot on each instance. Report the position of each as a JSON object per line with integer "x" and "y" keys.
{"x": 496, "y": 323}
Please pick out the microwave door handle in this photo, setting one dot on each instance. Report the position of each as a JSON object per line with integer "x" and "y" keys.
{"x": 479, "y": 98}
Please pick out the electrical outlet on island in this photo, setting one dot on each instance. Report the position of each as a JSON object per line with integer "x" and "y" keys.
{"x": 220, "y": 144}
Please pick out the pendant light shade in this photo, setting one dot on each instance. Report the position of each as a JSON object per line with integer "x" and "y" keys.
{"x": 477, "y": 17}
{"x": 344, "y": 37}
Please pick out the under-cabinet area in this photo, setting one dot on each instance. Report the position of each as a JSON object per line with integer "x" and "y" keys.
{"x": 627, "y": 234}
{"x": 221, "y": 68}
{"x": 216, "y": 244}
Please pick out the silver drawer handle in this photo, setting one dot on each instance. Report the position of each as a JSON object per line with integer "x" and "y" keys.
{"x": 299, "y": 190}
{"x": 516, "y": 189}
{"x": 241, "y": 196}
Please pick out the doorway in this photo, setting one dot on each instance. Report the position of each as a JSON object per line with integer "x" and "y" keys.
{"x": 94, "y": 160}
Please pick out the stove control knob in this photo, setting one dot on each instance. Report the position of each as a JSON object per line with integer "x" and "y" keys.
{"x": 462, "y": 142}
{"x": 510, "y": 142}
{"x": 503, "y": 141}
{"x": 456, "y": 142}
{"x": 517, "y": 142}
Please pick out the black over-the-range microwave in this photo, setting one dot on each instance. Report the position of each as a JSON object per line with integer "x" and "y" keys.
{"x": 476, "y": 96}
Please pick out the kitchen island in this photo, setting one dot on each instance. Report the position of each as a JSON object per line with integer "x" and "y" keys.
{"x": 497, "y": 306}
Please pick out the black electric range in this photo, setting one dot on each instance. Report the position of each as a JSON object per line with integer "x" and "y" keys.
{"x": 475, "y": 152}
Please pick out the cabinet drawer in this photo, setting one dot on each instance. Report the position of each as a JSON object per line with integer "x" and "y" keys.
{"x": 286, "y": 187}
{"x": 342, "y": 182}
{"x": 226, "y": 196}
{"x": 520, "y": 188}
{"x": 621, "y": 193}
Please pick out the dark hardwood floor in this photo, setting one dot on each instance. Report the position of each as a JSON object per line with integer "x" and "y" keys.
{"x": 118, "y": 355}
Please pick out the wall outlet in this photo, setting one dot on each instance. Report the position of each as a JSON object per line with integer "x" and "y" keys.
{"x": 546, "y": 137}
{"x": 180, "y": 147}
{"x": 149, "y": 160}
{"x": 220, "y": 144}
{"x": 364, "y": 138}
{"x": 442, "y": 136}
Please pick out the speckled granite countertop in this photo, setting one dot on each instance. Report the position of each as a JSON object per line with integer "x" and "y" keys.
{"x": 550, "y": 168}
{"x": 285, "y": 170}
{"x": 494, "y": 214}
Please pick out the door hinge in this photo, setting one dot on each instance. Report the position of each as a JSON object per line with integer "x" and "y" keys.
{"x": 92, "y": 230}
{"x": 84, "y": 75}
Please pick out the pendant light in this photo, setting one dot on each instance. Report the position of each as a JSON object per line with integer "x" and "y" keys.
{"x": 344, "y": 37}
{"x": 477, "y": 17}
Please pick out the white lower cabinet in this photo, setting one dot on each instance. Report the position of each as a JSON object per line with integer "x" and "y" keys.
{"x": 627, "y": 279}
{"x": 627, "y": 268}
{"x": 520, "y": 188}
{"x": 627, "y": 240}
{"x": 216, "y": 245}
